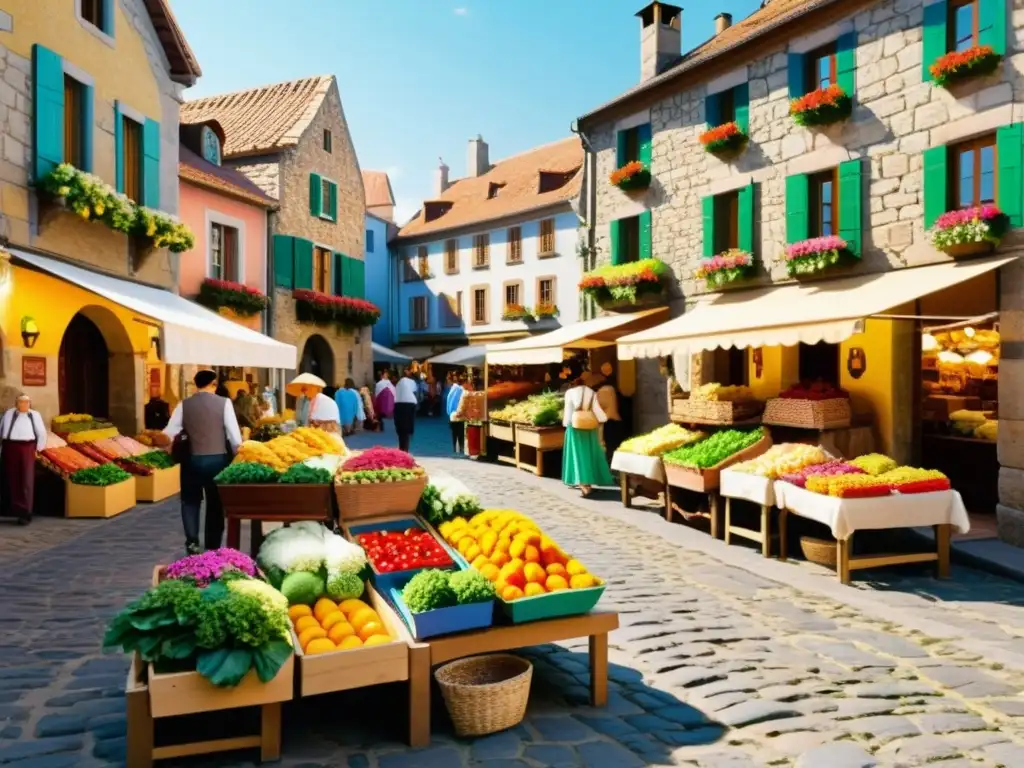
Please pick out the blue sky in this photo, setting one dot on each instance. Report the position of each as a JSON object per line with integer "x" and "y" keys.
{"x": 418, "y": 78}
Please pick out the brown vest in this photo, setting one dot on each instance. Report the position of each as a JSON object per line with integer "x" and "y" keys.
{"x": 203, "y": 417}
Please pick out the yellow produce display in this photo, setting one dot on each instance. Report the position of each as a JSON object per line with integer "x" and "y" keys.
{"x": 716, "y": 391}
{"x": 874, "y": 463}
{"x": 259, "y": 453}
{"x": 90, "y": 435}
{"x": 318, "y": 440}
{"x": 988, "y": 431}
{"x": 330, "y": 626}
{"x": 661, "y": 440}
{"x": 782, "y": 459}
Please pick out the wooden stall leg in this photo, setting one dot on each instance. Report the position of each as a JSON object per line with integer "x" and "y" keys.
{"x": 766, "y": 530}
{"x": 539, "y": 471}
{"x": 624, "y": 488}
{"x": 515, "y": 454}
{"x": 139, "y": 747}
{"x": 728, "y": 520}
{"x": 843, "y": 559}
{"x": 668, "y": 502}
{"x": 599, "y": 670}
{"x": 783, "y": 543}
{"x": 255, "y": 537}
{"x": 234, "y": 530}
{"x": 270, "y": 731}
{"x": 943, "y": 536}
{"x": 419, "y": 695}
{"x": 713, "y": 508}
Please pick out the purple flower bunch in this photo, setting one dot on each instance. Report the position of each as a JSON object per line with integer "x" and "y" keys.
{"x": 815, "y": 246}
{"x": 967, "y": 215}
{"x": 211, "y": 565}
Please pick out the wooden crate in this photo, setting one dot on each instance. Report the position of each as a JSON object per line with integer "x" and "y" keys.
{"x": 705, "y": 480}
{"x": 277, "y": 501}
{"x": 99, "y": 501}
{"x": 834, "y": 413}
{"x": 158, "y": 486}
{"x": 541, "y": 438}
{"x": 188, "y": 693}
{"x": 498, "y": 431}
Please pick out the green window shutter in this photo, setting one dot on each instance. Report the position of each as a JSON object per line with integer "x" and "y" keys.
{"x": 934, "y": 37}
{"x": 851, "y": 215}
{"x": 332, "y": 208}
{"x": 613, "y": 236}
{"x": 48, "y": 123}
{"x": 707, "y": 206}
{"x": 846, "y": 62}
{"x": 107, "y": 18}
{"x": 88, "y": 119}
{"x": 303, "y": 264}
{"x": 358, "y": 279}
{"x": 620, "y": 149}
{"x": 797, "y": 77}
{"x": 992, "y": 24}
{"x": 796, "y": 208}
{"x": 316, "y": 203}
{"x": 745, "y": 223}
{"x": 338, "y": 274}
{"x": 1010, "y": 155}
{"x": 936, "y": 191}
{"x": 643, "y": 140}
{"x": 346, "y": 276}
{"x": 741, "y": 104}
{"x": 151, "y": 164}
{"x": 118, "y": 148}
{"x": 712, "y": 113}
{"x": 284, "y": 261}
{"x": 645, "y": 235}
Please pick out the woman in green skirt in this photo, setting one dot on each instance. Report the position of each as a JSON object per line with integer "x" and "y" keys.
{"x": 583, "y": 460}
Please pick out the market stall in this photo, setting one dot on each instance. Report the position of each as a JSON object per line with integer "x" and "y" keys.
{"x": 639, "y": 464}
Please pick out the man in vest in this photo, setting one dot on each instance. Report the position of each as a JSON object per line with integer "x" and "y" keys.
{"x": 207, "y": 422}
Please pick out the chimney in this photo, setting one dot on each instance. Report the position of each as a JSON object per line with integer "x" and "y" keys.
{"x": 722, "y": 22}
{"x": 440, "y": 178}
{"x": 477, "y": 162}
{"x": 661, "y": 38}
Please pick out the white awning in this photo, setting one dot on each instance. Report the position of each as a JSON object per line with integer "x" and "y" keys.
{"x": 382, "y": 354}
{"x": 785, "y": 315}
{"x": 472, "y": 356}
{"x": 190, "y": 334}
{"x": 590, "y": 334}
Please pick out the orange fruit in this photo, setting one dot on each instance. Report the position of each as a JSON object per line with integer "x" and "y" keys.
{"x": 530, "y": 538}
{"x": 376, "y": 640}
{"x": 489, "y": 570}
{"x": 473, "y": 552}
{"x": 500, "y": 584}
{"x": 479, "y": 561}
{"x": 350, "y": 642}
{"x": 534, "y": 573}
{"x": 358, "y": 619}
{"x": 556, "y": 569}
{"x": 582, "y": 581}
{"x": 340, "y": 631}
{"x": 304, "y": 623}
{"x": 511, "y": 593}
{"x": 464, "y": 544}
{"x": 296, "y": 612}
{"x": 457, "y": 536}
{"x": 532, "y": 554}
{"x": 319, "y": 645}
{"x": 500, "y": 558}
{"x": 312, "y": 633}
{"x": 487, "y": 542}
{"x": 502, "y": 545}
{"x": 555, "y": 583}
{"x": 331, "y": 619}
{"x": 512, "y": 574}
{"x": 323, "y": 607}
{"x": 533, "y": 589}
{"x": 370, "y": 629}
{"x": 575, "y": 567}
{"x": 351, "y": 605}
{"x": 517, "y": 548}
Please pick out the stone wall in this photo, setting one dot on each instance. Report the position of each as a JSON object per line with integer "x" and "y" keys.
{"x": 264, "y": 172}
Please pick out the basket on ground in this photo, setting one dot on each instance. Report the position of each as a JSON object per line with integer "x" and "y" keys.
{"x": 819, "y": 551}
{"x": 485, "y": 694}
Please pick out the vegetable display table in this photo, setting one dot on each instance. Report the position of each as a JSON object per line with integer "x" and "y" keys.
{"x": 159, "y": 485}
{"x": 422, "y": 657}
{"x": 942, "y": 509}
{"x": 272, "y": 503}
{"x": 640, "y": 476}
{"x": 503, "y": 432}
{"x": 754, "y": 488}
{"x": 540, "y": 440}
{"x": 98, "y": 500}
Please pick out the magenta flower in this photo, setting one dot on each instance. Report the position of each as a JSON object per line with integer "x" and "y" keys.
{"x": 379, "y": 458}
{"x": 815, "y": 246}
{"x": 210, "y": 565}
{"x": 967, "y": 215}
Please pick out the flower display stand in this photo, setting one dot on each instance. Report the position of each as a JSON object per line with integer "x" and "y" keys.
{"x": 99, "y": 501}
{"x": 160, "y": 485}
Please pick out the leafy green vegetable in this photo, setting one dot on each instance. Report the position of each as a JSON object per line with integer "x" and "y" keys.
{"x": 302, "y": 587}
{"x": 714, "y": 450}
{"x": 103, "y": 475}
{"x": 300, "y": 474}
{"x": 471, "y": 586}
{"x": 344, "y": 586}
{"x": 155, "y": 459}
{"x": 246, "y": 473}
{"x": 428, "y": 590}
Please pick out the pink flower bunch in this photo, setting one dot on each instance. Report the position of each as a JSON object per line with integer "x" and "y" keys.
{"x": 967, "y": 215}
{"x": 211, "y": 565}
{"x": 815, "y": 246}
{"x": 729, "y": 260}
{"x": 379, "y": 458}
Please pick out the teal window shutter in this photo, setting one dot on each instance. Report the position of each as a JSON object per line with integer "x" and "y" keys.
{"x": 88, "y": 120}
{"x": 151, "y": 164}
{"x": 846, "y": 62}
{"x": 303, "y": 264}
{"x": 643, "y": 140}
{"x": 745, "y": 219}
{"x": 284, "y": 261}
{"x": 1010, "y": 154}
{"x": 338, "y": 274}
{"x": 712, "y": 111}
{"x": 645, "y": 235}
{"x": 620, "y": 149}
{"x": 992, "y": 24}
{"x": 797, "y": 75}
{"x": 797, "y": 214}
{"x": 936, "y": 183}
{"x": 741, "y": 104}
{"x": 707, "y": 206}
{"x": 48, "y": 123}
{"x": 332, "y": 208}
{"x": 613, "y": 236}
{"x": 851, "y": 215}
{"x": 108, "y": 17}
{"x": 358, "y": 279}
{"x": 934, "y": 42}
{"x": 316, "y": 203}
{"x": 118, "y": 148}
{"x": 348, "y": 277}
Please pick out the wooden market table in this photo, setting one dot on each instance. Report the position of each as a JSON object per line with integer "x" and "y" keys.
{"x": 272, "y": 503}
{"x": 641, "y": 476}
{"x": 423, "y": 656}
{"x": 540, "y": 440}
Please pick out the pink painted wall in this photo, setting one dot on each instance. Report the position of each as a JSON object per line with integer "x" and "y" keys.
{"x": 193, "y": 205}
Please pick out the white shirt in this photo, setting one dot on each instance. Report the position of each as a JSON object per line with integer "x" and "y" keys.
{"x": 382, "y": 385}
{"x": 406, "y": 391}
{"x": 324, "y": 409}
{"x": 176, "y": 424}
{"x": 22, "y": 429}
{"x": 579, "y": 398}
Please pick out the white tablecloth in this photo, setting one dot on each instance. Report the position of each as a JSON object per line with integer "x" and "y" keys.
{"x": 743, "y": 485}
{"x": 845, "y": 516}
{"x": 635, "y": 464}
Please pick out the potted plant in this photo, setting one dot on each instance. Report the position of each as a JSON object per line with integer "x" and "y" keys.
{"x": 725, "y": 268}
{"x": 814, "y": 255}
{"x": 821, "y": 107}
{"x": 633, "y": 175}
{"x": 626, "y": 286}
{"x": 517, "y": 312}
{"x": 239, "y": 298}
{"x": 970, "y": 231}
{"x": 957, "y": 66}
{"x": 342, "y": 311}
{"x": 545, "y": 310}
{"x": 723, "y": 139}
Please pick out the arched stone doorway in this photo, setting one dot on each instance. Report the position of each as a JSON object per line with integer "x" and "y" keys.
{"x": 318, "y": 359}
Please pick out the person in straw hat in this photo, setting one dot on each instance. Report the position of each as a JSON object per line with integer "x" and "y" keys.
{"x": 22, "y": 433}
{"x": 312, "y": 406}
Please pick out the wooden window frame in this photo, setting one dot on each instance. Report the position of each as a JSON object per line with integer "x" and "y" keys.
{"x": 415, "y": 302}
{"x": 328, "y": 141}
{"x": 727, "y": 221}
{"x": 482, "y": 247}
{"x": 230, "y": 256}
{"x": 451, "y": 256}
{"x": 952, "y": 7}
{"x": 74, "y": 131}
{"x": 514, "y": 246}
{"x": 726, "y": 106}
{"x": 812, "y": 81}
{"x": 322, "y": 258}
{"x": 423, "y": 263}
{"x": 487, "y": 304}
{"x": 815, "y": 208}
{"x": 518, "y": 285}
{"x": 92, "y": 12}
{"x": 325, "y": 197}
{"x": 546, "y": 238}
{"x": 131, "y": 160}
{"x": 627, "y": 245}
{"x": 554, "y": 290}
{"x": 975, "y": 145}
{"x": 632, "y": 146}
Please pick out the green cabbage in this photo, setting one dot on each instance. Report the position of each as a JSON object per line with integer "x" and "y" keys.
{"x": 302, "y": 587}
{"x": 427, "y": 591}
{"x": 344, "y": 586}
{"x": 471, "y": 586}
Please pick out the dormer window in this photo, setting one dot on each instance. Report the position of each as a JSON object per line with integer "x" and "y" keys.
{"x": 494, "y": 189}
{"x": 435, "y": 209}
{"x": 552, "y": 180}
{"x": 211, "y": 145}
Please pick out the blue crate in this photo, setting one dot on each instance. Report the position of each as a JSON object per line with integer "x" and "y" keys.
{"x": 443, "y": 621}
{"x": 398, "y": 579}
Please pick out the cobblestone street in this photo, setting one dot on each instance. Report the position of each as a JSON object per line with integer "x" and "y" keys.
{"x": 723, "y": 658}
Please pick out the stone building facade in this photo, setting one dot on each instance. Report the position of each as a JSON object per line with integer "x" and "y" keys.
{"x": 899, "y": 115}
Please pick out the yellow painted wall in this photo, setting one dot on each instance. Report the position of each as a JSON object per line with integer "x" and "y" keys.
{"x": 780, "y": 368}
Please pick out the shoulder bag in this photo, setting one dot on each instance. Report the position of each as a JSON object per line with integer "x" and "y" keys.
{"x": 583, "y": 417}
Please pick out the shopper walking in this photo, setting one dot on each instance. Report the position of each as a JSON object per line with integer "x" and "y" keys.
{"x": 350, "y": 406}
{"x": 384, "y": 398}
{"x": 405, "y": 408}
{"x": 451, "y": 408}
{"x": 583, "y": 462}
{"x": 23, "y": 433}
{"x": 206, "y": 422}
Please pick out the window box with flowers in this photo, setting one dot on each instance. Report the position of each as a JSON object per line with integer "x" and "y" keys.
{"x": 814, "y": 255}
{"x": 632, "y": 175}
{"x": 626, "y": 286}
{"x": 239, "y": 298}
{"x": 823, "y": 106}
{"x": 343, "y": 312}
{"x": 970, "y": 231}
{"x": 93, "y": 199}
{"x": 727, "y": 267}
{"x": 517, "y": 312}
{"x": 958, "y": 66}
{"x": 543, "y": 311}
{"x": 724, "y": 139}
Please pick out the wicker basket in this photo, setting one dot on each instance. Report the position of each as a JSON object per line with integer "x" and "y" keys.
{"x": 485, "y": 694}
{"x": 357, "y": 501}
{"x": 834, "y": 413}
{"x": 819, "y": 551}
{"x": 717, "y": 411}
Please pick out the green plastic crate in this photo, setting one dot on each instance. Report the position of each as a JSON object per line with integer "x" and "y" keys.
{"x": 566, "y": 602}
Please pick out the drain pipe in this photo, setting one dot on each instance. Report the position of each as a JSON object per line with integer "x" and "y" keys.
{"x": 590, "y": 220}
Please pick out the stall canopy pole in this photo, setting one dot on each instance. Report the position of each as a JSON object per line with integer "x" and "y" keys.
{"x": 486, "y": 418}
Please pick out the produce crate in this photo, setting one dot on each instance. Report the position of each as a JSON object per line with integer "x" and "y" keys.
{"x": 356, "y": 501}
{"x": 834, "y": 413}
{"x": 704, "y": 480}
{"x": 357, "y": 667}
{"x": 280, "y": 501}
{"x": 716, "y": 411}
{"x": 188, "y": 693}
{"x": 99, "y": 501}
{"x": 566, "y": 602}
{"x": 444, "y": 621}
{"x": 159, "y": 485}
{"x": 497, "y": 430}
{"x": 541, "y": 438}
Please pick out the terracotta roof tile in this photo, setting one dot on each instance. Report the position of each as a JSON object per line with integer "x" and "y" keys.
{"x": 194, "y": 169}
{"x": 184, "y": 66}
{"x": 262, "y": 119}
{"x": 519, "y": 184}
{"x": 378, "y": 189}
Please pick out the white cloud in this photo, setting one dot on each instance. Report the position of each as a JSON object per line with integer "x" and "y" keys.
{"x": 394, "y": 172}
{"x": 461, "y": 11}
{"x": 405, "y": 207}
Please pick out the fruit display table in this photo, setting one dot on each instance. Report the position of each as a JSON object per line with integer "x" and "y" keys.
{"x": 595, "y": 626}
{"x": 753, "y": 488}
{"x": 640, "y": 476}
{"x": 502, "y": 432}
